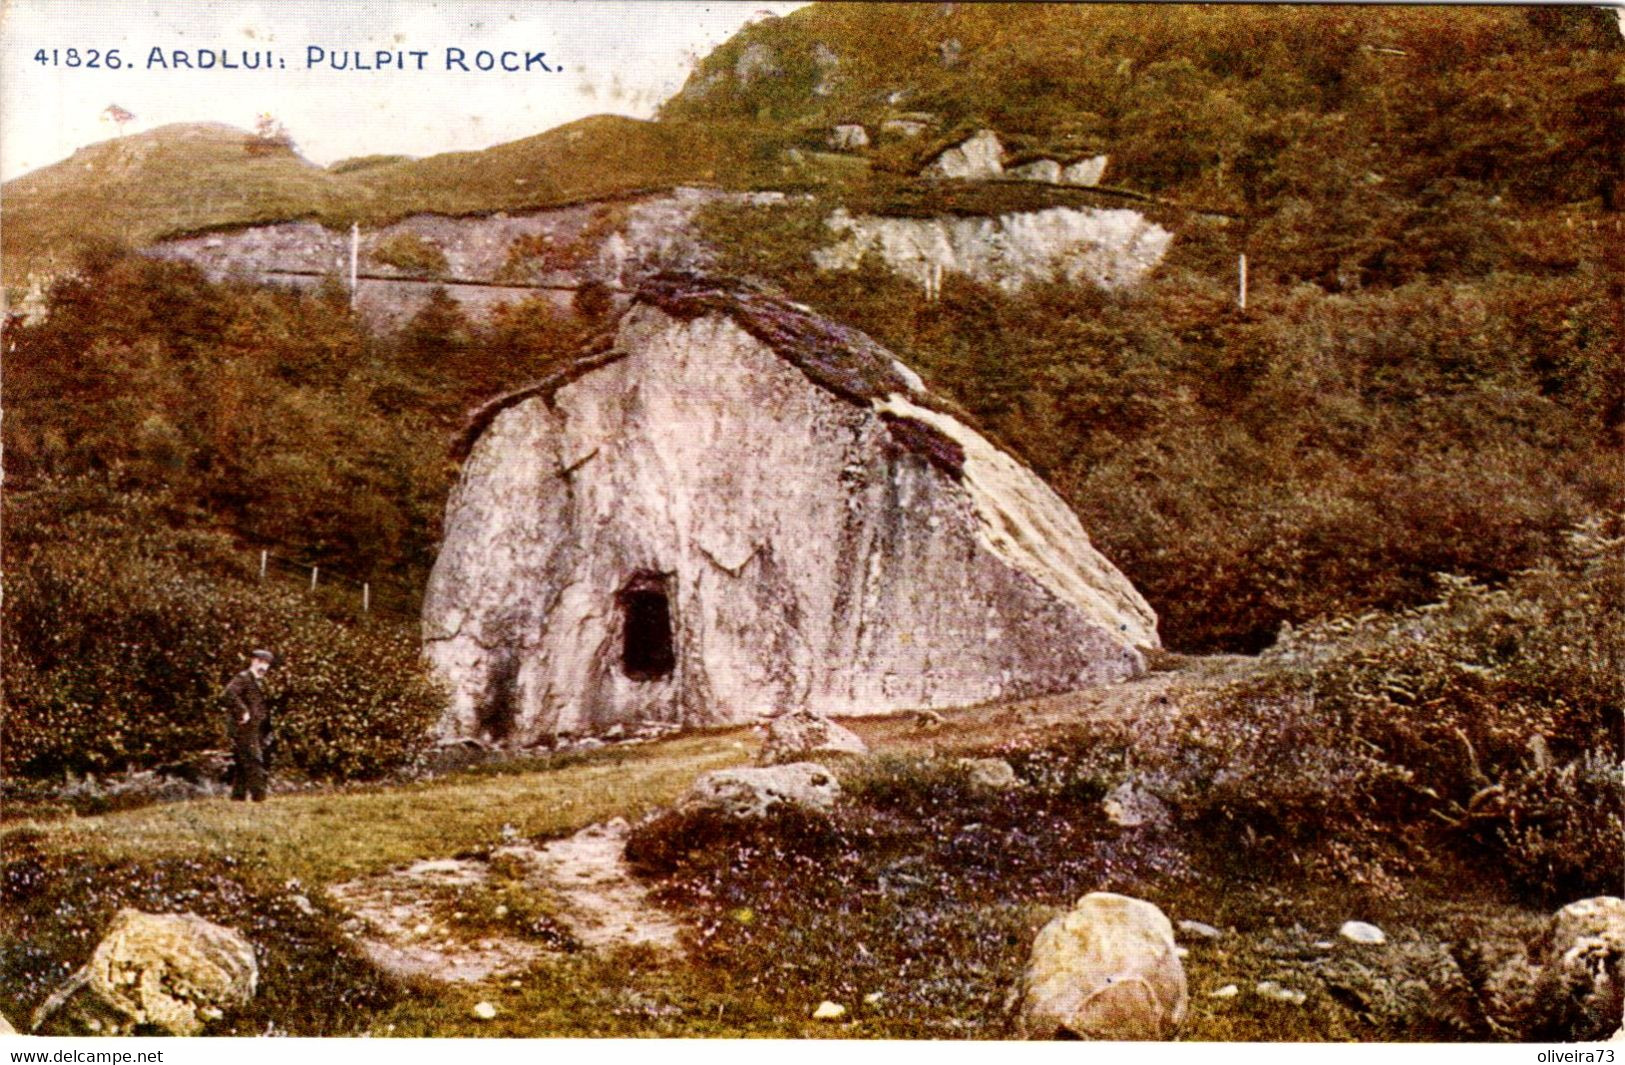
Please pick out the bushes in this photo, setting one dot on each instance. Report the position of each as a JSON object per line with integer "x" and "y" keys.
{"x": 119, "y": 635}
{"x": 1488, "y": 723}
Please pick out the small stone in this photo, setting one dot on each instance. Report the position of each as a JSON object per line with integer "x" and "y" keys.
{"x": 829, "y": 1011}
{"x": 1360, "y": 932}
{"x": 1129, "y": 806}
{"x": 872, "y": 997}
{"x": 302, "y": 904}
{"x": 500, "y": 912}
{"x": 1198, "y": 930}
{"x": 1227, "y": 991}
{"x": 1182, "y": 952}
{"x": 1277, "y": 993}
{"x": 994, "y": 774}
{"x": 421, "y": 928}
{"x": 484, "y": 1011}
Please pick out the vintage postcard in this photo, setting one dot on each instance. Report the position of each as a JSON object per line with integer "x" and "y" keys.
{"x": 847, "y": 521}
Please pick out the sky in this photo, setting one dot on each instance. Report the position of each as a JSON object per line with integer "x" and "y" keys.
{"x": 585, "y": 57}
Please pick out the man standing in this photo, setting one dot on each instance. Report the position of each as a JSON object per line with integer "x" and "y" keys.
{"x": 248, "y": 727}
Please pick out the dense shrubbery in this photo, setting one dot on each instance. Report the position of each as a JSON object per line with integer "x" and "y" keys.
{"x": 277, "y": 414}
{"x": 1489, "y": 722}
{"x": 120, "y": 633}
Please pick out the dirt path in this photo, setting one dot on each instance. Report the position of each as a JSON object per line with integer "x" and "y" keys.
{"x": 434, "y": 919}
{"x": 1029, "y": 722}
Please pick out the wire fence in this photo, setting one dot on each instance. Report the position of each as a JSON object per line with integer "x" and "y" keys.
{"x": 336, "y": 588}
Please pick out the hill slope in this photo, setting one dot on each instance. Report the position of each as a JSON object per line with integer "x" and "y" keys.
{"x": 194, "y": 177}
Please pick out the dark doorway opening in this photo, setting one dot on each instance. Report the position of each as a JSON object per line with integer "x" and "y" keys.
{"x": 647, "y": 648}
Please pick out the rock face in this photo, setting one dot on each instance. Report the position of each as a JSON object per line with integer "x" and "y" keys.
{"x": 173, "y": 971}
{"x": 702, "y": 525}
{"x": 976, "y": 158}
{"x": 489, "y": 259}
{"x": 742, "y": 793}
{"x": 1580, "y": 993}
{"x": 794, "y": 736}
{"x": 1111, "y": 248}
{"x": 1086, "y": 172}
{"x": 1106, "y": 970}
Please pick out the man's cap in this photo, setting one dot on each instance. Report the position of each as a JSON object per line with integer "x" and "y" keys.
{"x": 264, "y": 655}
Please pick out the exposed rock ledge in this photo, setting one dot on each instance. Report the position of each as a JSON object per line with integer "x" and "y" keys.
{"x": 1109, "y": 247}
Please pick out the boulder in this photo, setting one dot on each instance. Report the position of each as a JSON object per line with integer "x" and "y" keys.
{"x": 1361, "y": 932}
{"x": 976, "y": 158}
{"x": 792, "y": 737}
{"x": 1087, "y": 172}
{"x": 1131, "y": 806}
{"x": 848, "y": 137}
{"x": 1580, "y": 992}
{"x": 1105, "y": 970}
{"x": 741, "y": 793}
{"x": 5, "y": 1026}
{"x": 173, "y": 971}
{"x": 1046, "y": 170}
{"x": 994, "y": 774}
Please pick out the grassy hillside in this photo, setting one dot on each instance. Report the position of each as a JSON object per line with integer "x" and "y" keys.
{"x": 190, "y": 178}
{"x": 1205, "y": 102}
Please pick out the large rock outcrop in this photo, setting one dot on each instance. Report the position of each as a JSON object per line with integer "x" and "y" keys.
{"x": 740, "y": 509}
{"x": 1112, "y": 248}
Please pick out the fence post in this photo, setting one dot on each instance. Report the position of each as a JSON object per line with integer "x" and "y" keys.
{"x": 366, "y": 597}
{"x": 1241, "y": 299}
{"x": 264, "y": 558}
{"x": 313, "y": 570}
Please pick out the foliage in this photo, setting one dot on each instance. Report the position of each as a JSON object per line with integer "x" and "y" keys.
{"x": 1489, "y": 723}
{"x": 311, "y": 980}
{"x": 277, "y": 413}
{"x": 119, "y": 635}
{"x": 412, "y": 253}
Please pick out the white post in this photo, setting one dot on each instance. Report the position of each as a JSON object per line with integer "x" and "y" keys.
{"x": 313, "y": 570}
{"x": 366, "y": 597}
{"x": 264, "y": 557}
{"x": 355, "y": 258}
{"x": 1242, "y": 299}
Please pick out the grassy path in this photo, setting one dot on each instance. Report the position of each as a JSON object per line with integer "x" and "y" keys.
{"x": 322, "y": 838}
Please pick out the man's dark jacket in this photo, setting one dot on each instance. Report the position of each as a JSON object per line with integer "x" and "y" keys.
{"x": 244, "y": 695}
